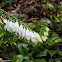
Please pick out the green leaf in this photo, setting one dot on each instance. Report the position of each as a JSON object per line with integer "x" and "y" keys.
{"x": 50, "y": 41}
{"x": 51, "y": 60}
{"x": 1, "y": 26}
{"x": 42, "y": 53}
{"x": 58, "y": 60}
{"x": 16, "y": 15}
{"x": 59, "y": 7}
{"x": 44, "y": 1}
{"x": 11, "y": 41}
{"x": 50, "y": 6}
{"x": 1, "y": 42}
{"x": 54, "y": 34}
{"x": 52, "y": 52}
{"x": 20, "y": 15}
{"x": 40, "y": 60}
{"x": 22, "y": 48}
{"x": 1, "y": 32}
{"x": 53, "y": 25}
{"x": 56, "y": 18}
{"x": 6, "y": 56}
{"x": 18, "y": 58}
{"x": 28, "y": 61}
{"x": 60, "y": 53}
{"x": 32, "y": 9}
{"x": 58, "y": 40}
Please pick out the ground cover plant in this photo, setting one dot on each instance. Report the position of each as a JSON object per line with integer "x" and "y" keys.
{"x": 40, "y": 41}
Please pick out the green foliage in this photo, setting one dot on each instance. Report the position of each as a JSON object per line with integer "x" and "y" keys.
{"x": 28, "y": 61}
{"x": 40, "y": 60}
{"x": 5, "y": 2}
{"x": 42, "y": 53}
{"x": 23, "y": 49}
{"x": 19, "y": 50}
{"x": 18, "y": 15}
{"x": 50, "y": 6}
{"x": 50, "y": 52}
{"x": 58, "y": 59}
{"x": 17, "y": 58}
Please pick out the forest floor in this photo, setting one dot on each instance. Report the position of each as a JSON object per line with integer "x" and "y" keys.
{"x": 33, "y": 9}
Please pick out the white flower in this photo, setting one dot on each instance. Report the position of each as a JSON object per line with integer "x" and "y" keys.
{"x": 46, "y": 33}
{"x": 10, "y": 26}
{"x": 33, "y": 37}
{"x": 5, "y": 20}
{"x": 16, "y": 27}
{"x": 43, "y": 38}
{"x": 7, "y": 24}
{"x": 32, "y": 34}
{"x": 47, "y": 29}
{"x": 20, "y": 30}
{"x": 38, "y": 37}
{"x": 27, "y": 35}
{"x": 23, "y": 33}
{"x": 34, "y": 40}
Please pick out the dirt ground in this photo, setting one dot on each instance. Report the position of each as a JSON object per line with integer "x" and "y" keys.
{"x": 32, "y": 9}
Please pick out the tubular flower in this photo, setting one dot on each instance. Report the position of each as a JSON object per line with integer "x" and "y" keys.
{"x": 38, "y": 37}
{"x": 44, "y": 37}
{"x": 22, "y": 32}
{"x": 46, "y": 33}
{"x": 47, "y": 29}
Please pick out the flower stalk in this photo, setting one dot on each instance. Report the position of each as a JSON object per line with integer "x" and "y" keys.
{"x": 23, "y": 33}
{"x": 22, "y": 30}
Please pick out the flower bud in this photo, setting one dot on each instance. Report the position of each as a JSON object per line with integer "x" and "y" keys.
{"x": 43, "y": 38}
{"x": 38, "y": 37}
{"x": 46, "y": 33}
{"x": 27, "y": 35}
{"x": 47, "y": 29}
{"x": 5, "y": 20}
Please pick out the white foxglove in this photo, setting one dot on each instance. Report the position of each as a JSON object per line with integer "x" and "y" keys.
{"x": 5, "y": 20}
{"x": 16, "y": 27}
{"x": 27, "y": 35}
{"x": 43, "y": 38}
{"x": 10, "y": 27}
{"x": 7, "y": 24}
{"x": 38, "y": 37}
{"x": 47, "y": 29}
{"x": 33, "y": 38}
{"x": 46, "y": 33}
{"x": 20, "y": 30}
{"x": 23, "y": 33}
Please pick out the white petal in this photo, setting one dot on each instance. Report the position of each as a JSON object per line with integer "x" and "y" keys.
{"x": 5, "y": 20}
{"x": 21, "y": 29}
{"x": 46, "y": 33}
{"x": 43, "y": 38}
{"x": 23, "y": 33}
{"x": 32, "y": 34}
{"x": 34, "y": 40}
{"x": 16, "y": 27}
{"x": 47, "y": 29}
{"x": 38, "y": 37}
{"x": 27, "y": 35}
